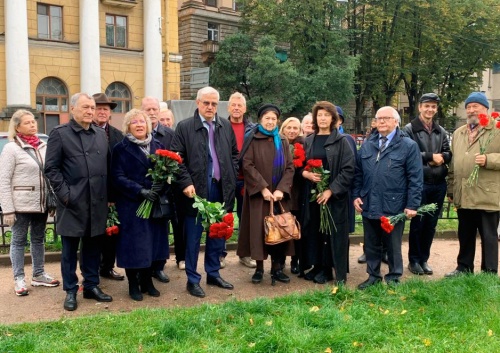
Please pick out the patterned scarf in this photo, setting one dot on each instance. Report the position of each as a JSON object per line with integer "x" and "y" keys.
{"x": 472, "y": 131}
{"x": 32, "y": 140}
{"x": 143, "y": 144}
{"x": 279, "y": 156}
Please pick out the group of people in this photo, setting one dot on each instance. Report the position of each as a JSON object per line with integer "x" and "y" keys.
{"x": 91, "y": 165}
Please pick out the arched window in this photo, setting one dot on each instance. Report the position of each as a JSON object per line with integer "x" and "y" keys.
{"x": 51, "y": 100}
{"x": 120, "y": 94}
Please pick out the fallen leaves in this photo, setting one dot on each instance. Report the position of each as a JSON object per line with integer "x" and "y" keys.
{"x": 314, "y": 309}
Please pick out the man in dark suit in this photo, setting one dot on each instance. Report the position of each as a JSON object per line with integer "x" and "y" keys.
{"x": 207, "y": 145}
{"x": 101, "y": 119}
{"x": 164, "y": 134}
{"x": 76, "y": 166}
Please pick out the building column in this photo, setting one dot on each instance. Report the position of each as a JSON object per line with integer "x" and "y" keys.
{"x": 153, "y": 70}
{"x": 90, "y": 57}
{"x": 17, "y": 65}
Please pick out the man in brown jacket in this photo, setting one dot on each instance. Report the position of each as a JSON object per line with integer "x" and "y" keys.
{"x": 477, "y": 203}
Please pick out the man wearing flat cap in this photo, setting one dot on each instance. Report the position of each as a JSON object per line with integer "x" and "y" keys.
{"x": 477, "y": 202}
{"x": 435, "y": 154}
{"x": 102, "y": 116}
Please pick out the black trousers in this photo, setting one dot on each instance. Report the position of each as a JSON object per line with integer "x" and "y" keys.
{"x": 470, "y": 222}
{"x": 108, "y": 252}
{"x": 90, "y": 258}
{"x": 375, "y": 237}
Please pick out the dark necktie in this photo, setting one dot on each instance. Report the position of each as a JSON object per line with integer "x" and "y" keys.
{"x": 213, "y": 152}
{"x": 383, "y": 139}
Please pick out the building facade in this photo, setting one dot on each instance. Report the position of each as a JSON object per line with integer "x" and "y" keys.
{"x": 51, "y": 49}
{"x": 202, "y": 25}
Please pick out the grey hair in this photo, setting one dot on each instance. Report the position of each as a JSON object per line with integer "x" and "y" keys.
{"x": 309, "y": 115}
{"x": 288, "y": 121}
{"x": 16, "y": 120}
{"x": 132, "y": 114}
{"x": 150, "y": 98}
{"x": 238, "y": 95}
{"x": 75, "y": 97}
{"x": 207, "y": 90}
{"x": 394, "y": 112}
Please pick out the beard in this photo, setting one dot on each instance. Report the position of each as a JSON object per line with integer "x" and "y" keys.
{"x": 472, "y": 119}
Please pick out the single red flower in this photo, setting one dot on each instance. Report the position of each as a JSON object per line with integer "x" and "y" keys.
{"x": 497, "y": 125}
{"x": 109, "y": 231}
{"x": 483, "y": 120}
{"x": 229, "y": 232}
{"x": 315, "y": 163}
{"x": 495, "y": 115}
{"x": 116, "y": 230}
{"x": 297, "y": 163}
{"x": 228, "y": 219}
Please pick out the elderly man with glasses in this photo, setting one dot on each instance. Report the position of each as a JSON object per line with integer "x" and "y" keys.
{"x": 388, "y": 181}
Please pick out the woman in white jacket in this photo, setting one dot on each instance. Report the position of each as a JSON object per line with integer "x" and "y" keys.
{"x": 22, "y": 196}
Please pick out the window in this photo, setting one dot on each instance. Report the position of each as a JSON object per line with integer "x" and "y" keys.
{"x": 213, "y": 32}
{"x": 120, "y": 94}
{"x": 496, "y": 68}
{"x": 49, "y": 22}
{"x": 212, "y": 3}
{"x": 116, "y": 31}
{"x": 51, "y": 101}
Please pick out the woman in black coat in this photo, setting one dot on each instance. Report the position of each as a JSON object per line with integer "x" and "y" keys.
{"x": 327, "y": 251}
{"x": 141, "y": 242}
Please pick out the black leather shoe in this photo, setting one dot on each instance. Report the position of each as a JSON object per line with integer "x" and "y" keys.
{"x": 112, "y": 274}
{"x": 294, "y": 268}
{"x": 279, "y": 276}
{"x": 426, "y": 268}
{"x": 369, "y": 282}
{"x": 415, "y": 268}
{"x": 70, "y": 303}
{"x": 219, "y": 282}
{"x": 161, "y": 276}
{"x": 97, "y": 294}
{"x": 322, "y": 278}
{"x": 309, "y": 276}
{"x": 385, "y": 258}
{"x": 362, "y": 259}
{"x": 455, "y": 273}
{"x": 195, "y": 290}
{"x": 257, "y": 276}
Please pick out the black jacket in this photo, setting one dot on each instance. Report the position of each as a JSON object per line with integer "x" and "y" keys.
{"x": 429, "y": 144}
{"x": 76, "y": 166}
{"x": 191, "y": 142}
{"x": 114, "y": 136}
{"x": 165, "y": 135}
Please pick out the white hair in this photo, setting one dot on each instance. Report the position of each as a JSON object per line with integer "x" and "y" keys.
{"x": 207, "y": 90}
{"x": 238, "y": 95}
{"x": 394, "y": 112}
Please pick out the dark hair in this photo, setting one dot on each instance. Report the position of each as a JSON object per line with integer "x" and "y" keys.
{"x": 330, "y": 108}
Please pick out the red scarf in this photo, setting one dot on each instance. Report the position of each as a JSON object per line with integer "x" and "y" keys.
{"x": 33, "y": 140}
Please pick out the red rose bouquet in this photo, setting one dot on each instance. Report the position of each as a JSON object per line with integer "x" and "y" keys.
{"x": 112, "y": 221}
{"x": 326, "y": 219}
{"x": 215, "y": 220}
{"x": 483, "y": 122}
{"x": 166, "y": 165}
{"x": 387, "y": 223}
{"x": 298, "y": 154}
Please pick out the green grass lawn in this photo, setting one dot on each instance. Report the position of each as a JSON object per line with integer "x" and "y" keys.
{"x": 450, "y": 315}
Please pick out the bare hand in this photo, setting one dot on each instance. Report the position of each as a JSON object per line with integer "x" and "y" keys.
{"x": 357, "y": 204}
{"x": 189, "y": 191}
{"x": 267, "y": 195}
{"x": 278, "y": 195}
{"x": 480, "y": 159}
{"x": 10, "y": 219}
{"x": 437, "y": 159}
{"x": 314, "y": 177}
{"x": 410, "y": 213}
{"x": 324, "y": 197}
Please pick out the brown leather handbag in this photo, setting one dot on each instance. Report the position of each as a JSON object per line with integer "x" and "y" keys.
{"x": 280, "y": 227}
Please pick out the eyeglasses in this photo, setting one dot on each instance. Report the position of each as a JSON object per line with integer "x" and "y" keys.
{"x": 384, "y": 118}
{"x": 207, "y": 104}
{"x": 137, "y": 122}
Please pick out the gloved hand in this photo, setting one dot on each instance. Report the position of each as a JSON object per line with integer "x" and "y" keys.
{"x": 157, "y": 187}
{"x": 9, "y": 219}
{"x": 149, "y": 195}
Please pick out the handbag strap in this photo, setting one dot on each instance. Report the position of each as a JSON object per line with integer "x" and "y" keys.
{"x": 271, "y": 207}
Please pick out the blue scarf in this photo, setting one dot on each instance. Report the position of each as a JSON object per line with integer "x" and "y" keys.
{"x": 279, "y": 156}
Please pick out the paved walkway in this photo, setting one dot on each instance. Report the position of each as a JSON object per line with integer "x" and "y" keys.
{"x": 47, "y": 303}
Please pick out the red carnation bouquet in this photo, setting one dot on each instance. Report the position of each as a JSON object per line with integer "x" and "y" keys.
{"x": 483, "y": 122}
{"x": 387, "y": 223}
{"x": 166, "y": 165}
{"x": 298, "y": 154}
{"x": 326, "y": 219}
{"x": 215, "y": 220}
{"x": 112, "y": 221}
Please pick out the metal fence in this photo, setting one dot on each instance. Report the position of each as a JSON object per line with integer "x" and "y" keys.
{"x": 51, "y": 232}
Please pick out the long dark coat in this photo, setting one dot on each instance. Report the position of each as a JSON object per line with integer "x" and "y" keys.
{"x": 140, "y": 241}
{"x": 76, "y": 165}
{"x": 341, "y": 164}
{"x": 257, "y": 171}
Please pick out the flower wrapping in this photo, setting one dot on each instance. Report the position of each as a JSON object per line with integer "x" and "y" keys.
{"x": 166, "y": 166}
{"x": 326, "y": 220}
{"x": 388, "y": 223}
{"x": 484, "y": 121}
{"x": 112, "y": 222}
{"x": 216, "y": 222}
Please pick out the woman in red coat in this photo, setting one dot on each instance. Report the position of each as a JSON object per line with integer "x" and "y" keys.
{"x": 268, "y": 173}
